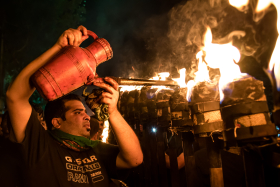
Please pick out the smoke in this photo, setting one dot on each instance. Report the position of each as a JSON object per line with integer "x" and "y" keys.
{"x": 188, "y": 23}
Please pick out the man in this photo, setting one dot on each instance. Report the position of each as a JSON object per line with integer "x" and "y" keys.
{"x": 63, "y": 155}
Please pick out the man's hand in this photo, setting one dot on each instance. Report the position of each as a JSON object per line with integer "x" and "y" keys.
{"x": 111, "y": 95}
{"x": 130, "y": 154}
{"x": 72, "y": 37}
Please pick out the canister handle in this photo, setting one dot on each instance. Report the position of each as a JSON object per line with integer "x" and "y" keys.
{"x": 92, "y": 34}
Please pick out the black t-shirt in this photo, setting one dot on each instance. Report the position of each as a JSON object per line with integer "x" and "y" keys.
{"x": 50, "y": 164}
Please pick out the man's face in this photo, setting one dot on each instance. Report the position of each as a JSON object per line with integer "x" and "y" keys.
{"x": 77, "y": 121}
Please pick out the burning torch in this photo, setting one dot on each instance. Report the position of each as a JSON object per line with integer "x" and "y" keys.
{"x": 101, "y": 110}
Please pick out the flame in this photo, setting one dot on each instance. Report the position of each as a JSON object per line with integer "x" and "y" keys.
{"x": 190, "y": 86}
{"x": 274, "y": 64}
{"x": 105, "y": 132}
{"x": 160, "y": 76}
{"x": 201, "y": 75}
{"x": 129, "y": 88}
{"x": 181, "y": 81}
{"x": 239, "y": 4}
{"x": 224, "y": 57}
{"x": 264, "y": 4}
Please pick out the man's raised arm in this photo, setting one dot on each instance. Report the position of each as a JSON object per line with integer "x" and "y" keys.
{"x": 21, "y": 89}
{"x": 130, "y": 150}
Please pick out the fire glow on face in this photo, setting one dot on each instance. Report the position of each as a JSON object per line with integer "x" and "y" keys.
{"x": 274, "y": 64}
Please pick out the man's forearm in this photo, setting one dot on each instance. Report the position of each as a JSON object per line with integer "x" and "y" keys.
{"x": 128, "y": 142}
{"x": 19, "y": 92}
{"x": 130, "y": 151}
{"x": 21, "y": 89}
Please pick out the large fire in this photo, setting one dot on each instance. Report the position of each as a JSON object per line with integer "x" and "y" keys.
{"x": 222, "y": 56}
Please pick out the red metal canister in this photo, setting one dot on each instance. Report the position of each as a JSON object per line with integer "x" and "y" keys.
{"x": 71, "y": 68}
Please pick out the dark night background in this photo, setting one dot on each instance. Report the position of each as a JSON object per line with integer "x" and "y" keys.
{"x": 146, "y": 36}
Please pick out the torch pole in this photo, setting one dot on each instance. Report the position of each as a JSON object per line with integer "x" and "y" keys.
{"x": 183, "y": 125}
{"x": 208, "y": 127}
{"x": 248, "y": 126}
{"x": 188, "y": 141}
{"x": 215, "y": 161}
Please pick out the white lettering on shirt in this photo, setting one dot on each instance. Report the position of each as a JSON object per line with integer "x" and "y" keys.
{"x": 78, "y": 172}
{"x": 68, "y": 159}
{"x": 80, "y": 178}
